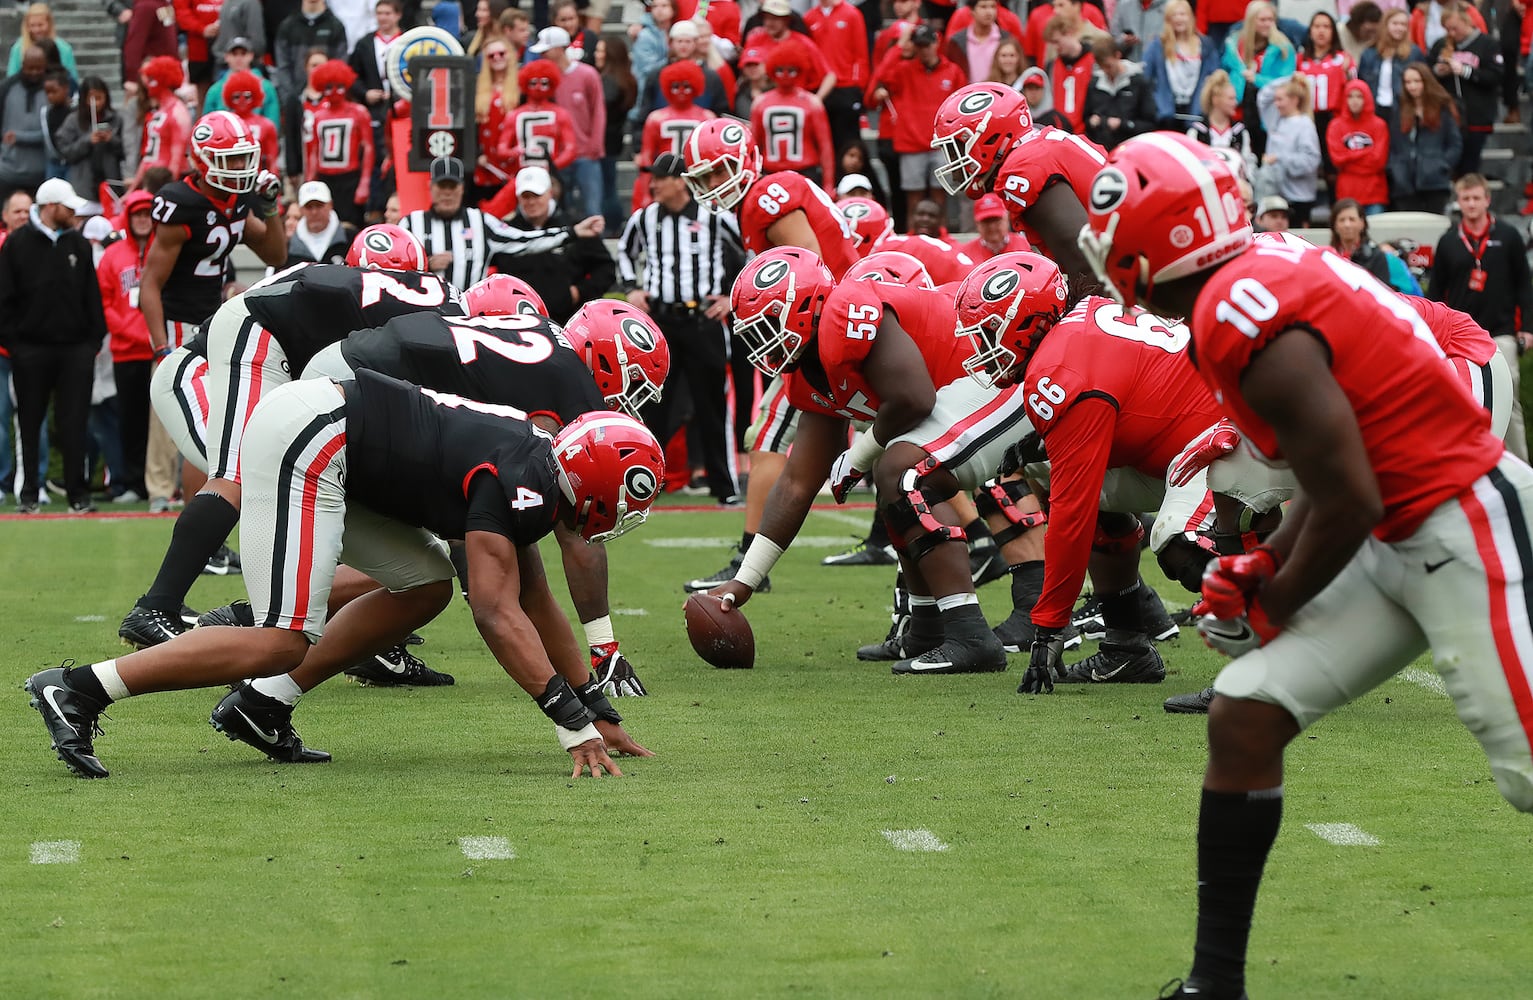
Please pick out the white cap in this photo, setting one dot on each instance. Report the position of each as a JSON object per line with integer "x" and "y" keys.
{"x": 852, "y": 182}
{"x": 58, "y": 192}
{"x": 313, "y": 191}
{"x": 684, "y": 29}
{"x": 96, "y": 228}
{"x": 550, "y": 38}
{"x": 533, "y": 180}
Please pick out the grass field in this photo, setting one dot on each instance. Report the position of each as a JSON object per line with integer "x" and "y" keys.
{"x": 749, "y": 858}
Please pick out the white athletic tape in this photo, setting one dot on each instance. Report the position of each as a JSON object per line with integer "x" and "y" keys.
{"x": 486, "y": 848}
{"x": 1425, "y": 678}
{"x": 1342, "y": 834}
{"x": 56, "y": 852}
{"x": 913, "y": 840}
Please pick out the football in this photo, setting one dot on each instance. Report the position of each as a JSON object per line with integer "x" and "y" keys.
{"x": 722, "y": 638}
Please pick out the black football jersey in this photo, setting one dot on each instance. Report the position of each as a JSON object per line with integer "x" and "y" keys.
{"x": 521, "y": 361}
{"x": 308, "y": 307}
{"x": 194, "y": 289}
{"x": 411, "y": 454}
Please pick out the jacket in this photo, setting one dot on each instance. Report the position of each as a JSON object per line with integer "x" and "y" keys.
{"x": 580, "y": 93}
{"x": 240, "y": 19}
{"x": 295, "y": 37}
{"x": 194, "y": 17}
{"x": 1160, "y": 78}
{"x": 1418, "y": 26}
{"x": 48, "y": 290}
{"x": 1423, "y": 158}
{"x": 66, "y": 58}
{"x": 1297, "y": 146}
{"x": 957, "y": 48}
{"x": 1370, "y": 67}
{"x": 122, "y": 264}
{"x": 582, "y": 261}
{"x": 90, "y": 163}
{"x": 915, "y": 94}
{"x": 23, "y": 162}
{"x": 1141, "y": 18}
{"x": 1129, "y": 98}
{"x": 1277, "y": 61}
{"x": 340, "y": 242}
{"x": 1359, "y": 149}
{"x": 1477, "y": 87}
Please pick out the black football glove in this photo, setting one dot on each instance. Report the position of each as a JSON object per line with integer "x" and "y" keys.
{"x": 614, "y": 673}
{"x": 1047, "y": 660}
{"x": 268, "y": 188}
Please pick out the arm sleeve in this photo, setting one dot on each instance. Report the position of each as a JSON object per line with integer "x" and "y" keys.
{"x": 504, "y": 239}
{"x": 1078, "y": 448}
{"x": 630, "y": 247}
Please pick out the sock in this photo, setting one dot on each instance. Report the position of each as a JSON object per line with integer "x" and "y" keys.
{"x": 1026, "y": 585}
{"x": 598, "y": 631}
{"x": 878, "y": 534}
{"x": 948, "y": 603}
{"x": 1121, "y": 610}
{"x": 978, "y": 530}
{"x": 1235, "y": 835}
{"x": 282, "y": 687}
{"x": 963, "y": 618}
{"x": 745, "y": 541}
{"x": 202, "y": 527}
{"x": 925, "y": 620}
{"x": 93, "y": 682}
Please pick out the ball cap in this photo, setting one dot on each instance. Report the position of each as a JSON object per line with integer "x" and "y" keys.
{"x": 550, "y": 38}
{"x": 989, "y": 206}
{"x": 447, "y": 170}
{"x": 58, "y": 192}
{"x": 668, "y": 165}
{"x": 313, "y": 191}
{"x": 684, "y": 29}
{"x": 533, "y": 180}
{"x": 1272, "y": 203}
{"x": 777, "y": 8}
{"x": 852, "y": 182}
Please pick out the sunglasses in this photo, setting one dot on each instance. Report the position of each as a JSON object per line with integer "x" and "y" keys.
{"x": 496, "y": 56}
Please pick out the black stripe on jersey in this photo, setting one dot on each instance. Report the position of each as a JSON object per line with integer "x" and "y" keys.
{"x": 232, "y": 404}
{"x": 1519, "y": 528}
{"x": 189, "y": 361}
{"x": 312, "y": 430}
{"x": 1487, "y": 388}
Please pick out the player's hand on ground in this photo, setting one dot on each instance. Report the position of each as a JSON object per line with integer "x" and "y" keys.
{"x": 1045, "y": 662}
{"x": 592, "y": 755}
{"x": 618, "y": 740}
{"x": 843, "y": 476}
{"x": 732, "y": 592}
{"x": 1205, "y": 449}
{"x": 590, "y": 226}
{"x": 614, "y": 673}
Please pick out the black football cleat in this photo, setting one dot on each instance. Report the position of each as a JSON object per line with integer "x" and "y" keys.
{"x": 238, "y": 615}
{"x": 724, "y": 576}
{"x": 1157, "y": 624}
{"x": 145, "y": 627}
{"x": 1176, "y": 989}
{"x": 1087, "y": 619}
{"x": 863, "y": 554}
{"x": 1123, "y": 658}
{"x": 72, "y": 720}
{"x": 264, "y": 723}
{"x": 1190, "y": 704}
{"x": 899, "y": 644}
{"x": 396, "y": 668}
{"x": 986, "y": 564}
{"x": 980, "y": 654}
{"x": 1016, "y": 633}
{"x": 224, "y": 562}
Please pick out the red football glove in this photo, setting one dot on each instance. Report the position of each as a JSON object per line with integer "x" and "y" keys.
{"x": 1213, "y": 444}
{"x": 1230, "y": 583}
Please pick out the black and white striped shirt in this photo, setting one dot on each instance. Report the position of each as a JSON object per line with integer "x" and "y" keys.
{"x": 688, "y": 255}
{"x": 473, "y": 238}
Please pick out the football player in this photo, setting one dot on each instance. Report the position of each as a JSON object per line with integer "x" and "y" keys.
{"x": 325, "y": 462}
{"x": 774, "y": 210}
{"x": 258, "y": 340}
{"x": 876, "y": 351}
{"x": 988, "y": 142}
{"x": 1412, "y": 518}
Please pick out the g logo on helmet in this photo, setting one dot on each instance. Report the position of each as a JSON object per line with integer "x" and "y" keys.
{"x": 639, "y": 482}
{"x": 976, "y": 102}
{"x": 1108, "y": 190}
{"x": 638, "y": 334}
{"x": 770, "y": 274}
{"x": 732, "y": 134}
{"x": 999, "y": 286}
{"x": 378, "y": 242}
{"x": 202, "y": 133}
{"x": 855, "y": 212}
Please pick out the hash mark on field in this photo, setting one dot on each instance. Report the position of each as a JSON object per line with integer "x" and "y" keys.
{"x": 1342, "y": 834}
{"x": 913, "y": 840}
{"x": 90, "y": 618}
{"x": 638, "y": 612}
{"x": 852, "y": 519}
{"x": 808, "y": 541}
{"x": 486, "y": 848}
{"x": 1425, "y": 678}
{"x": 55, "y": 852}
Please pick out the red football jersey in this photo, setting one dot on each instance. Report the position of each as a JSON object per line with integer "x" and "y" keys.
{"x": 848, "y": 326}
{"x": 774, "y": 196}
{"x": 1071, "y": 81}
{"x": 264, "y": 132}
{"x": 1107, "y": 388}
{"x": 1427, "y": 440}
{"x": 341, "y": 141}
{"x": 793, "y": 132}
{"x": 167, "y": 136}
{"x": 665, "y": 131}
{"x": 489, "y": 146}
{"x": 1457, "y": 333}
{"x": 944, "y": 262}
{"x": 1327, "y": 77}
{"x": 1045, "y": 157}
{"x": 542, "y": 133}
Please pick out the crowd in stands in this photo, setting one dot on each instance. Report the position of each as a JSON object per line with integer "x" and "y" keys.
{"x": 1368, "y": 107}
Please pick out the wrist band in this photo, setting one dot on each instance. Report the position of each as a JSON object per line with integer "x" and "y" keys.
{"x": 865, "y": 451}
{"x": 569, "y": 739}
{"x": 758, "y": 562}
{"x": 598, "y": 631}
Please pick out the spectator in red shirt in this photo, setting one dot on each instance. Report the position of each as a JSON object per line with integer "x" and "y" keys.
{"x": 132, "y": 357}
{"x": 841, "y": 36}
{"x": 778, "y": 22}
{"x": 912, "y": 82}
{"x": 995, "y": 235}
{"x": 789, "y": 123}
{"x": 1359, "y": 143}
{"x": 198, "y": 20}
{"x": 1070, "y": 70}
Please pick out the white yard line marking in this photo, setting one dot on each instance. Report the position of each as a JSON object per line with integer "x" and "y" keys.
{"x": 486, "y": 848}
{"x": 56, "y": 852}
{"x": 90, "y": 618}
{"x": 805, "y": 541}
{"x": 637, "y": 612}
{"x": 913, "y": 840}
{"x": 1425, "y": 678}
{"x": 862, "y": 520}
{"x": 1342, "y": 834}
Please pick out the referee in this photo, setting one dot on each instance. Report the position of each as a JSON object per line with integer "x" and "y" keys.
{"x": 460, "y": 241}
{"x": 691, "y": 256}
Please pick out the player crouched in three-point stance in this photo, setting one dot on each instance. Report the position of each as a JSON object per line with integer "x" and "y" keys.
{"x": 323, "y": 461}
{"x": 1411, "y": 517}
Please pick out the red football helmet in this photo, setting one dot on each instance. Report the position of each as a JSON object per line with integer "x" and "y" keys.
{"x": 161, "y": 75}
{"x": 870, "y": 221}
{"x": 776, "y": 303}
{"x": 539, "y": 79}
{"x": 1164, "y": 207}
{"x": 722, "y": 162}
{"x": 386, "y": 248}
{"x": 624, "y": 349}
{"x": 892, "y": 266}
{"x": 230, "y": 157}
{"x": 610, "y": 472}
{"x": 974, "y": 130}
{"x": 1005, "y": 306}
{"x": 242, "y": 93}
{"x": 503, "y": 295}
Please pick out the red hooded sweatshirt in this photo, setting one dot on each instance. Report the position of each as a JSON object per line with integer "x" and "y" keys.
{"x": 118, "y": 275}
{"x": 1359, "y": 149}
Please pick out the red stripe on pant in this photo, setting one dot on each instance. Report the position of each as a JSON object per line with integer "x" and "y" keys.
{"x": 959, "y": 429}
{"x": 1512, "y": 666}
{"x": 199, "y": 391}
{"x": 306, "y": 527}
{"x": 257, "y": 363}
{"x": 763, "y": 440}
{"x": 1198, "y": 516}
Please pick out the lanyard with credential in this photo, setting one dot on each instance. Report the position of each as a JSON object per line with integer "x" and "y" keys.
{"x": 1477, "y": 251}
